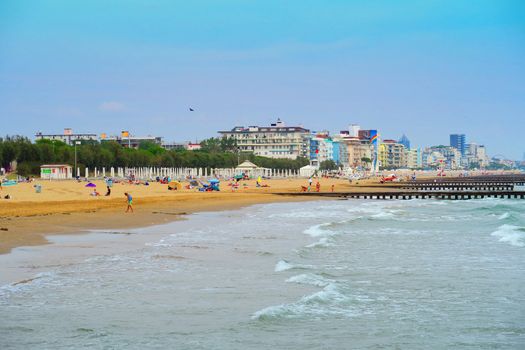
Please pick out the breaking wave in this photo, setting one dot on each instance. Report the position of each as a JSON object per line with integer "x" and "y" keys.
{"x": 284, "y": 265}
{"x": 514, "y": 235}
{"x": 328, "y": 301}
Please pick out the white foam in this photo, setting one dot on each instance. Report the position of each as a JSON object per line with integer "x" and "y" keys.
{"x": 284, "y": 265}
{"x": 318, "y": 231}
{"x": 504, "y": 216}
{"x": 514, "y": 235}
{"x": 309, "y": 279}
{"x": 329, "y": 294}
{"x": 322, "y": 243}
{"x": 328, "y": 301}
{"x": 383, "y": 215}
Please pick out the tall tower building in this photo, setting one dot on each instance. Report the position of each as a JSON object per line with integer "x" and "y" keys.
{"x": 458, "y": 142}
{"x": 354, "y": 130}
{"x": 404, "y": 141}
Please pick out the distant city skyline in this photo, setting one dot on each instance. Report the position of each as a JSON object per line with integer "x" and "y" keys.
{"x": 424, "y": 69}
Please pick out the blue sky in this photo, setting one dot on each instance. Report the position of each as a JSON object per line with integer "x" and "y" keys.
{"x": 423, "y": 68}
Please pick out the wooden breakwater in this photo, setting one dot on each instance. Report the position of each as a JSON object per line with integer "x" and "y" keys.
{"x": 431, "y": 186}
{"x": 403, "y": 194}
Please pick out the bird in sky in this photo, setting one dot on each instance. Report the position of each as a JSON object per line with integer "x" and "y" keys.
{"x": 191, "y": 109}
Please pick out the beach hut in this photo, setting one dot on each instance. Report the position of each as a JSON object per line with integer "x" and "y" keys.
{"x": 56, "y": 171}
{"x": 248, "y": 168}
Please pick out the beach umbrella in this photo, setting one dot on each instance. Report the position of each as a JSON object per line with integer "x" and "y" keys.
{"x": 91, "y": 185}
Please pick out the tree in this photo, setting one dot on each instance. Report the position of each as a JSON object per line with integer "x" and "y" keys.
{"x": 212, "y": 145}
{"x": 228, "y": 144}
{"x": 151, "y": 147}
{"x": 328, "y": 165}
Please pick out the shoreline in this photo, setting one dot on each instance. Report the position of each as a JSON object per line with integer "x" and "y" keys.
{"x": 25, "y": 263}
{"x": 66, "y": 207}
{"x": 32, "y": 230}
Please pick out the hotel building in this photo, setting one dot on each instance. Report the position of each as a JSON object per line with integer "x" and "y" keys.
{"x": 274, "y": 141}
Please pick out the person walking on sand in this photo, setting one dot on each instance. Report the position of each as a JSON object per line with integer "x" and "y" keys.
{"x": 130, "y": 202}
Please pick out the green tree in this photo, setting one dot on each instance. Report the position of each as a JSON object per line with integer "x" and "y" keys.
{"x": 328, "y": 165}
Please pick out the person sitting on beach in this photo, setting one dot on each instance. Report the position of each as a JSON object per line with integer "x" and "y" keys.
{"x": 108, "y": 192}
{"x": 130, "y": 202}
{"x": 95, "y": 193}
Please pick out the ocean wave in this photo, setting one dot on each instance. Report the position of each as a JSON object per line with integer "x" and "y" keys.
{"x": 384, "y": 215}
{"x": 308, "y": 214}
{"x": 310, "y": 279}
{"x": 504, "y": 216}
{"x": 318, "y": 231}
{"x": 283, "y": 265}
{"x": 322, "y": 243}
{"x": 40, "y": 279}
{"x": 329, "y": 301}
{"x": 514, "y": 235}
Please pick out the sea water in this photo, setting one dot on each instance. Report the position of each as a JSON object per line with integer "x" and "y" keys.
{"x": 416, "y": 274}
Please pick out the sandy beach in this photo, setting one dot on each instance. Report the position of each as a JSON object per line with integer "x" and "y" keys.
{"x": 67, "y": 207}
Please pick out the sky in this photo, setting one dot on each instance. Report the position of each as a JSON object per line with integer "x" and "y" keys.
{"x": 421, "y": 68}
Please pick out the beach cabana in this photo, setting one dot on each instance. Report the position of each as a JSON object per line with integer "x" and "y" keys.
{"x": 248, "y": 168}
{"x": 56, "y": 171}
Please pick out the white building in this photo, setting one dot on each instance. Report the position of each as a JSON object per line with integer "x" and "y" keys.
{"x": 414, "y": 158}
{"x": 442, "y": 157}
{"x": 56, "y": 171}
{"x": 354, "y": 130}
{"x": 274, "y": 141}
{"x": 68, "y": 137}
{"x": 127, "y": 140}
{"x": 476, "y": 155}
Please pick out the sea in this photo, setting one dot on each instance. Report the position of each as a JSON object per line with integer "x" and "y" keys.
{"x": 341, "y": 274}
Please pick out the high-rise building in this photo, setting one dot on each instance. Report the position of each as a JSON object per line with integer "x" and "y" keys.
{"x": 458, "y": 142}
{"x": 404, "y": 141}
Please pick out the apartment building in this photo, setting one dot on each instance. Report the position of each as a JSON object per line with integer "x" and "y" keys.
{"x": 358, "y": 151}
{"x": 274, "y": 141}
{"x": 414, "y": 158}
{"x": 392, "y": 155}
